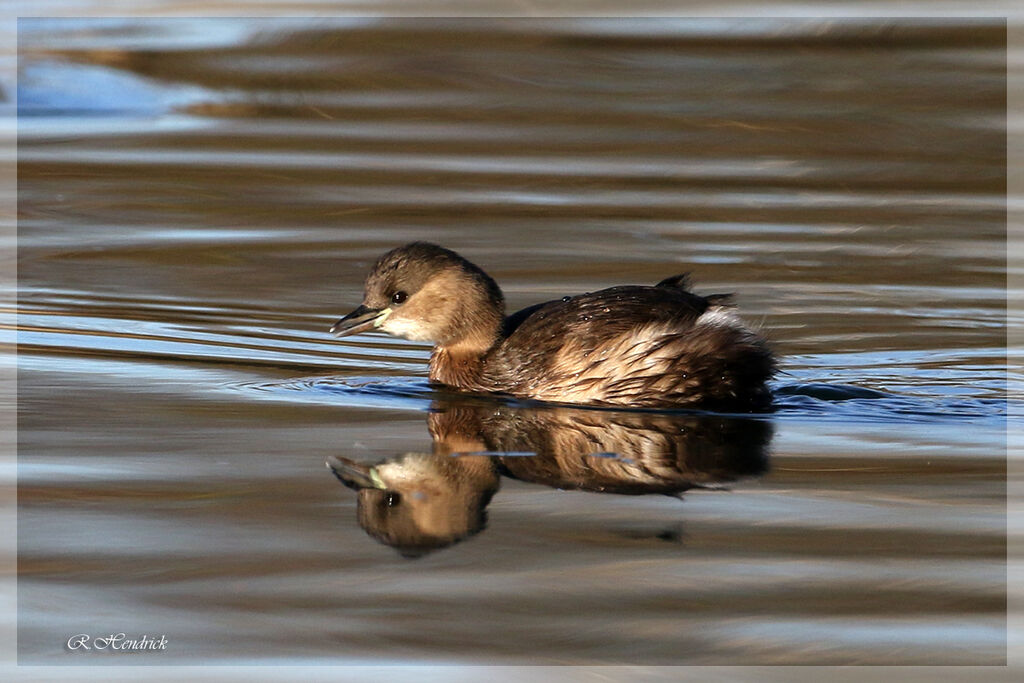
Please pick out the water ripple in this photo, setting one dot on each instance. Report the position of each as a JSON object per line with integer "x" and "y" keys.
{"x": 801, "y": 401}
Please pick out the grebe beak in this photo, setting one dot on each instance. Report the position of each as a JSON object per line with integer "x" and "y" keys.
{"x": 354, "y": 475}
{"x": 360, "y": 320}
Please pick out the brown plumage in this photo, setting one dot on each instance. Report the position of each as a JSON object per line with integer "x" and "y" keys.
{"x": 419, "y": 502}
{"x": 660, "y": 346}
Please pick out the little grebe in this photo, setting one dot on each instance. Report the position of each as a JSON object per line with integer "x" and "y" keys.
{"x": 660, "y": 346}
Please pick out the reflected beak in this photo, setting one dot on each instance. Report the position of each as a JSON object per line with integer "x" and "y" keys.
{"x": 360, "y": 320}
{"x": 354, "y": 475}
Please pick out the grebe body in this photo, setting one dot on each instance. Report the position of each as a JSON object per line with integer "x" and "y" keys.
{"x": 638, "y": 346}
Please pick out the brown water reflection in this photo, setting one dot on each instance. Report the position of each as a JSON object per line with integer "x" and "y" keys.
{"x": 198, "y": 199}
{"x": 418, "y": 502}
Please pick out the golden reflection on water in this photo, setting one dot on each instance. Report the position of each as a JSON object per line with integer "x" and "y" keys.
{"x": 418, "y": 502}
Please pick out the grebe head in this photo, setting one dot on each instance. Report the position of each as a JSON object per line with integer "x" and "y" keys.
{"x": 424, "y": 292}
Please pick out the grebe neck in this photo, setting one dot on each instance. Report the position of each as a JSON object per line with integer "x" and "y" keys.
{"x": 460, "y": 364}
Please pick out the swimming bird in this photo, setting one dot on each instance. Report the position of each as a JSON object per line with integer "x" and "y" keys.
{"x": 636, "y": 346}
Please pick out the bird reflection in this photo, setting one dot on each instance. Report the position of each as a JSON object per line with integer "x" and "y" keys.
{"x": 419, "y": 502}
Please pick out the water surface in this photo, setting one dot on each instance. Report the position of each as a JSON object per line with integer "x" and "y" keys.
{"x": 200, "y": 200}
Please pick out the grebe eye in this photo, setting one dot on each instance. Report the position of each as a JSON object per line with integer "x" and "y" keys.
{"x": 399, "y": 298}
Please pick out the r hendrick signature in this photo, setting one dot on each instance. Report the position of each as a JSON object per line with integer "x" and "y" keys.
{"x": 116, "y": 642}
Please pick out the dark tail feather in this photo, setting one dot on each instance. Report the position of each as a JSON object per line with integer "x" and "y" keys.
{"x": 681, "y": 281}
